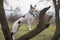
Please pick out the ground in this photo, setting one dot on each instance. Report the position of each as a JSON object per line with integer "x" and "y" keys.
{"x": 47, "y": 34}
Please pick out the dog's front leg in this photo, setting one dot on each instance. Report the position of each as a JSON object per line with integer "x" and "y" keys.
{"x": 29, "y": 25}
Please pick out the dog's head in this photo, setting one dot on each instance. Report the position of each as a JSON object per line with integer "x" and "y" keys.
{"x": 33, "y": 8}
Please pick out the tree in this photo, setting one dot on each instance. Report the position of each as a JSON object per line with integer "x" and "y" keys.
{"x": 39, "y": 28}
{"x": 57, "y": 32}
{"x": 3, "y": 22}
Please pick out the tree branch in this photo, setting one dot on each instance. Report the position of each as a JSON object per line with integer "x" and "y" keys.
{"x": 57, "y": 32}
{"x": 39, "y": 28}
{"x": 4, "y": 23}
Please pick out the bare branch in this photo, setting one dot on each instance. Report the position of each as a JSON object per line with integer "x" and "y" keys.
{"x": 39, "y": 28}
{"x": 4, "y": 23}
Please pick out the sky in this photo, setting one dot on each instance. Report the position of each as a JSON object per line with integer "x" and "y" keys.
{"x": 24, "y": 5}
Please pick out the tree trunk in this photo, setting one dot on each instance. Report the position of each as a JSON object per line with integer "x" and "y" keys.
{"x": 59, "y": 3}
{"x": 40, "y": 27}
{"x": 3, "y": 22}
{"x": 57, "y": 32}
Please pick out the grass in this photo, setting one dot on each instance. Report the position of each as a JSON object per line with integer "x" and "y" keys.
{"x": 47, "y": 34}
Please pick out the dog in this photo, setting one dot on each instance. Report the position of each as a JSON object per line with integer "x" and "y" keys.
{"x": 25, "y": 19}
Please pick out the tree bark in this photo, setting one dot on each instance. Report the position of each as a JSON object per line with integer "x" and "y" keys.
{"x": 57, "y": 32}
{"x": 59, "y": 3}
{"x": 40, "y": 27}
{"x": 4, "y": 23}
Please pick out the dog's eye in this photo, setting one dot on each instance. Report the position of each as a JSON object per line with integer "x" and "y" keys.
{"x": 36, "y": 11}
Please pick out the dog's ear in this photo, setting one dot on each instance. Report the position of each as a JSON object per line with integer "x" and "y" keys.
{"x": 31, "y": 6}
{"x": 34, "y": 5}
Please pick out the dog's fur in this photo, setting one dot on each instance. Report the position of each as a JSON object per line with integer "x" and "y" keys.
{"x": 25, "y": 19}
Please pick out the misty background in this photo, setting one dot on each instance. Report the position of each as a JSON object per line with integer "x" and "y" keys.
{"x": 18, "y": 8}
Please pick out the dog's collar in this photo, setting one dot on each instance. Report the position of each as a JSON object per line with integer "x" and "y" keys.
{"x": 23, "y": 16}
{"x": 31, "y": 13}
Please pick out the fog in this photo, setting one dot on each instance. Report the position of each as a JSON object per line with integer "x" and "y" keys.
{"x": 24, "y": 6}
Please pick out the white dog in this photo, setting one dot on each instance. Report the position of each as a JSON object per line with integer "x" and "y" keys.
{"x": 24, "y": 19}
